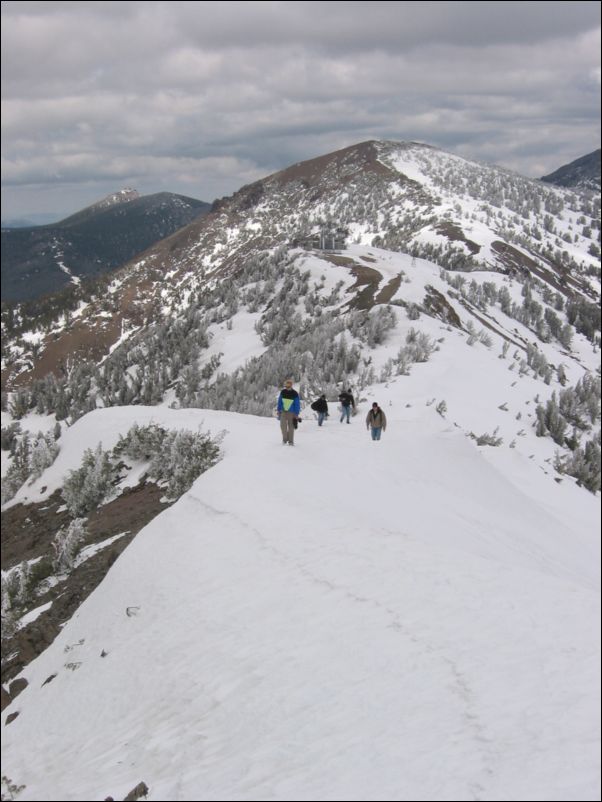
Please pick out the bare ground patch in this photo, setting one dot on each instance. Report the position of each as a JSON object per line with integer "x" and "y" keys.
{"x": 455, "y": 234}
{"x": 389, "y": 290}
{"x": 437, "y": 305}
{"x": 28, "y": 531}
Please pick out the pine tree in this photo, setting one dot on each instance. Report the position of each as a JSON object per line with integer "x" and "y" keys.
{"x": 67, "y": 544}
{"x": 85, "y": 488}
{"x": 43, "y": 454}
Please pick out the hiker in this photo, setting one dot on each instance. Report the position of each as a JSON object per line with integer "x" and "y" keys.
{"x": 347, "y": 404}
{"x": 376, "y": 420}
{"x": 289, "y": 407}
{"x": 321, "y": 407}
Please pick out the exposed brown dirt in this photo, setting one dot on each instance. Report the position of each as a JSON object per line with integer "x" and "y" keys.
{"x": 367, "y": 282}
{"x": 455, "y": 234}
{"x": 369, "y": 279}
{"x": 363, "y": 155}
{"x": 341, "y": 261}
{"x": 388, "y": 291}
{"x": 437, "y": 305}
{"x": 28, "y": 531}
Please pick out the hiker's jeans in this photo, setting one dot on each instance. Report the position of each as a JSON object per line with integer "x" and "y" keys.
{"x": 287, "y": 427}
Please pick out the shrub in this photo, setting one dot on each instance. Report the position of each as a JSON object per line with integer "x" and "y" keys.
{"x": 86, "y": 487}
{"x": 67, "y": 544}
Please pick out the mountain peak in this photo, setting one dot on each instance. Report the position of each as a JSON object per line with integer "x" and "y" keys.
{"x": 124, "y": 195}
{"x": 353, "y": 156}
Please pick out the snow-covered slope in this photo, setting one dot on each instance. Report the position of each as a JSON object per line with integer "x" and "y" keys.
{"x": 410, "y": 619}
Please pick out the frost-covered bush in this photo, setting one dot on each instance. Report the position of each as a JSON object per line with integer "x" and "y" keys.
{"x": 67, "y": 544}
{"x": 372, "y": 327}
{"x": 418, "y": 348}
{"x": 485, "y": 339}
{"x": 11, "y": 483}
{"x": 584, "y": 464}
{"x": 486, "y": 439}
{"x": 43, "y": 453}
{"x": 183, "y": 457}
{"x": 16, "y": 587}
{"x": 10, "y": 789}
{"x": 550, "y": 421}
{"x": 86, "y": 487}
{"x": 9, "y": 436}
{"x": 141, "y": 442}
{"x": 537, "y": 361}
{"x": 577, "y": 407}
{"x": 18, "y": 471}
{"x": 29, "y": 460}
{"x": 20, "y": 403}
{"x": 175, "y": 458}
{"x": 441, "y": 408}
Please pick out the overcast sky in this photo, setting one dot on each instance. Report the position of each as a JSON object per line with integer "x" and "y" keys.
{"x": 202, "y": 97}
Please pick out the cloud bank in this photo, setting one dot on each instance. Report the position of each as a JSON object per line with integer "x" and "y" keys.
{"x": 203, "y": 97}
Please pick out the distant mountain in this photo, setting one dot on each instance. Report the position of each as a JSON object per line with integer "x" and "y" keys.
{"x": 30, "y": 221}
{"x": 39, "y": 260}
{"x": 583, "y": 173}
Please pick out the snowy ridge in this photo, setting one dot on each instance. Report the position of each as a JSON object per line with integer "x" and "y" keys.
{"x": 410, "y": 619}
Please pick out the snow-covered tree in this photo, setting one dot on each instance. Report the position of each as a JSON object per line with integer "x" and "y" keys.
{"x": 86, "y": 487}
{"x": 43, "y": 453}
{"x": 67, "y": 544}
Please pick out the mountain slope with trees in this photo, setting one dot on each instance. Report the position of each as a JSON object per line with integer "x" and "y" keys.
{"x": 402, "y": 197}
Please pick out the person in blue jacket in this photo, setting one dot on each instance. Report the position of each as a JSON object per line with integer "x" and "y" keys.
{"x": 289, "y": 407}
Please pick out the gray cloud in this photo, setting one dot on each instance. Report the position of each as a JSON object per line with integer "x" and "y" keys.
{"x": 200, "y": 98}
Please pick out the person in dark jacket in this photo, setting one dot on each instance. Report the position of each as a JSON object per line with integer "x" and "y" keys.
{"x": 347, "y": 404}
{"x": 321, "y": 407}
{"x": 289, "y": 407}
{"x": 376, "y": 420}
